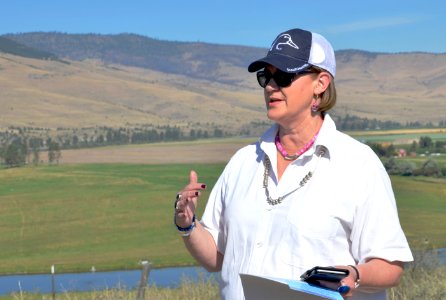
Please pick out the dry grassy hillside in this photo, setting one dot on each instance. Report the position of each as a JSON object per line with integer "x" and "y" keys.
{"x": 402, "y": 87}
{"x": 42, "y": 93}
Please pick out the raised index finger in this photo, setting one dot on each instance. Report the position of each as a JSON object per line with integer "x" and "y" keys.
{"x": 193, "y": 177}
{"x": 193, "y": 181}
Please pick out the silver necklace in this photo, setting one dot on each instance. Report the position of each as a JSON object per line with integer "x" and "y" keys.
{"x": 303, "y": 181}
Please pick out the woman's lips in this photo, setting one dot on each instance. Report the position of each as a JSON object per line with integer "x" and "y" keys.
{"x": 274, "y": 101}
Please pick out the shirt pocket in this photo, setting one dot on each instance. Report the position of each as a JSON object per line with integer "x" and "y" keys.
{"x": 314, "y": 225}
{"x": 307, "y": 242}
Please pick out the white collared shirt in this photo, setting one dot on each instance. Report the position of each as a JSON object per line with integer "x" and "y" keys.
{"x": 345, "y": 214}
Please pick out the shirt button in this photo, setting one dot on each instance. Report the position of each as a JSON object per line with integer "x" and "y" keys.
{"x": 259, "y": 244}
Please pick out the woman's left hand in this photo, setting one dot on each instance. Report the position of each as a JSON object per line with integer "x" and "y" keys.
{"x": 346, "y": 286}
{"x": 374, "y": 275}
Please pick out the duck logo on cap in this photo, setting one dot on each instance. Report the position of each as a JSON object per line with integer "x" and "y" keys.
{"x": 283, "y": 39}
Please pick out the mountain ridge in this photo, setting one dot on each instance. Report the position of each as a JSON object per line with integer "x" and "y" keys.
{"x": 126, "y": 81}
{"x": 185, "y": 58}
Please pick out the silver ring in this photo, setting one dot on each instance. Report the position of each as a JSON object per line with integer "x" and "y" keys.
{"x": 179, "y": 196}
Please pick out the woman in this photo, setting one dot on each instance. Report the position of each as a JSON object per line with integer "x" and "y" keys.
{"x": 304, "y": 195}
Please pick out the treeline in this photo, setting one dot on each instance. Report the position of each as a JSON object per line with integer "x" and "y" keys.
{"x": 12, "y": 47}
{"x": 26, "y": 145}
{"x": 407, "y": 168}
{"x": 424, "y": 146}
{"x": 351, "y": 123}
{"x": 21, "y": 146}
{"x": 21, "y": 151}
{"x": 395, "y": 164}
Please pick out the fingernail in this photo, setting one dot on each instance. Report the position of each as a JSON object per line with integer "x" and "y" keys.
{"x": 344, "y": 289}
{"x": 203, "y": 186}
{"x": 197, "y": 193}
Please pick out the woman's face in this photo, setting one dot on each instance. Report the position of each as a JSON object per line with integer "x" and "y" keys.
{"x": 286, "y": 105}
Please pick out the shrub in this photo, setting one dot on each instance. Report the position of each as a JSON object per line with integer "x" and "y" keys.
{"x": 424, "y": 278}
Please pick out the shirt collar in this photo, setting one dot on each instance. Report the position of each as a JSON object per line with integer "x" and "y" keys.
{"x": 324, "y": 138}
{"x": 326, "y": 134}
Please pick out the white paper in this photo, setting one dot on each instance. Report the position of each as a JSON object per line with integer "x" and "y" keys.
{"x": 259, "y": 288}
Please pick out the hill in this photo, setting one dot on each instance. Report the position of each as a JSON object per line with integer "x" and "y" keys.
{"x": 129, "y": 80}
{"x": 12, "y": 47}
{"x": 50, "y": 94}
{"x": 198, "y": 60}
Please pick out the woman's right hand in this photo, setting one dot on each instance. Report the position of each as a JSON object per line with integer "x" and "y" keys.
{"x": 187, "y": 199}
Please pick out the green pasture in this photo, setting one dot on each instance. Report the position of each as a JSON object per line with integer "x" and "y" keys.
{"x": 111, "y": 216}
{"x": 421, "y": 205}
{"x": 397, "y": 137}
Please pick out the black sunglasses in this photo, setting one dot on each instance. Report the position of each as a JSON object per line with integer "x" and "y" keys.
{"x": 282, "y": 79}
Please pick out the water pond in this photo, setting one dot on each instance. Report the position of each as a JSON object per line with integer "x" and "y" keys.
{"x": 42, "y": 283}
{"x": 91, "y": 281}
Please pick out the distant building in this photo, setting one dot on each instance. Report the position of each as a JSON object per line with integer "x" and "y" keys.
{"x": 402, "y": 153}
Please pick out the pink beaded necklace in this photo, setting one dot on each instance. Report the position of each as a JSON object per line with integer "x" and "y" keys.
{"x": 298, "y": 153}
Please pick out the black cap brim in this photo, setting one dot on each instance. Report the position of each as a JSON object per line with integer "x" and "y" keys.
{"x": 281, "y": 62}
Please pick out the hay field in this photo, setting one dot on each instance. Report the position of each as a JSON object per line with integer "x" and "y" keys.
{"x": 216, "y": 150}
{"x": 399, "y": 136}
{"x": 204, "y": 151}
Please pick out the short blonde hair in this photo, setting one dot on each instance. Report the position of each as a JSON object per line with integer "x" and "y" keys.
{"x": 328, "y": 97}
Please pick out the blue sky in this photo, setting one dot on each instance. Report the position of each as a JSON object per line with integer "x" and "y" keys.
{"x": 379, "y": 25}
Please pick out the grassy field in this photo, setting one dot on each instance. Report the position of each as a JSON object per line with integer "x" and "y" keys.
{"x": 113, "y": 215}
{"x": 105, "y": 215}
{"x": 399, "y": 136}
{"x": 422, "y": 208}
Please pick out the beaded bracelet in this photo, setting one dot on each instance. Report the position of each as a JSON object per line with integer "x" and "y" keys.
{"x": 358, "y": 279}
{"x": 185, "y": 231}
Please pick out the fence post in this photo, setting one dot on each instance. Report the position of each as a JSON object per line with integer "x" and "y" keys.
{"x": 53, "y": 284}
{"x": 144, "y": 278}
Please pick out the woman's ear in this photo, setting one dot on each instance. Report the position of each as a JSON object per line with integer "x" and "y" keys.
{"x": 322, "y": 82}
